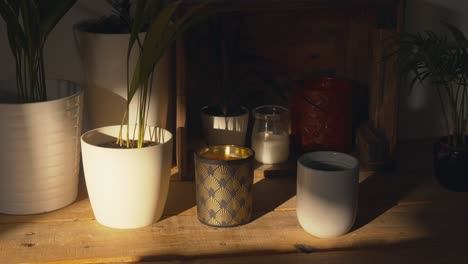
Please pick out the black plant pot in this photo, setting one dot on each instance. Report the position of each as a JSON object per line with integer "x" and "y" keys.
{"x": 451, "y": 166}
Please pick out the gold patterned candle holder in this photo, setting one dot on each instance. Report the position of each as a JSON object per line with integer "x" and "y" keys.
{"x": 224, "y": 180}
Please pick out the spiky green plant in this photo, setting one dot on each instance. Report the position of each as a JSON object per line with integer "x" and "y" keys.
{"x": 29, "y": 23}
{"x": 165, "y": 25}
{"x": 442, "y": 61}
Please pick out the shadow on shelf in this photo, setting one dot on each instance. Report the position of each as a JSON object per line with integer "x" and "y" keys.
{"x": 378, "y": 194}
{"x": 181, "y": 198}
{"x": 268, "y": 194}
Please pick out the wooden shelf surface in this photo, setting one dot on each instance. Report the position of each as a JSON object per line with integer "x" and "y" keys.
{"x": 403, "y": 217}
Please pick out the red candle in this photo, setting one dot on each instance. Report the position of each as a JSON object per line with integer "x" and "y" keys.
{"x": 322, "y": 115}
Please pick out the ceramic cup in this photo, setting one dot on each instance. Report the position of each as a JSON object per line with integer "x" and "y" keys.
{"x": 327, "y": 192}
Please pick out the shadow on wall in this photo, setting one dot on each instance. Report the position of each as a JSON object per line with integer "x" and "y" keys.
{"x": 420, "y": 108}
{"x": 7, "y": 63}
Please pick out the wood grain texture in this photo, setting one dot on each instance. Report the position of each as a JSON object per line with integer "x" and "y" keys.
{"x": 184, "y": 237}
{"x": 384, "y": 82}
{"x": 360, "y": 23}
{"x": 383, "y": 256}
{"x": 298, "y": 44}
{"x": 403, "y": 216}
{"x": 181, "y": 109}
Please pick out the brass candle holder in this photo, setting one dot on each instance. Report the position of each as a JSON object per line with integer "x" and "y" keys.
{"x": 224, "y": 180}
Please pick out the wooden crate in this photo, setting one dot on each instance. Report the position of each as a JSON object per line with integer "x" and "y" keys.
{"x": 347, "y": 38}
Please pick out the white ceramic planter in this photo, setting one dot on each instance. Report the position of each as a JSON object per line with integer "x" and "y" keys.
{"x": 104, "y": 62}
{"x": 221, "y": 130}
{"x": 327, "y": 192}
{"x": 127, "y": 187}
{"x": 40, "y": 149}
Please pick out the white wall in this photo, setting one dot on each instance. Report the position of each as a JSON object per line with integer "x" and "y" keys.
{"x": 420, "y": 111}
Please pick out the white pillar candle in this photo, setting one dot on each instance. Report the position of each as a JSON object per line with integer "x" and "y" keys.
{"x": 270, "y": 148}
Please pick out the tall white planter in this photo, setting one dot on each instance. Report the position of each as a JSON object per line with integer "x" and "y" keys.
{"x": 104, "y": 62}
{"x": 127, "y": 187}
{"x": 40, "y": 156}
{"x": 225, "y": 130}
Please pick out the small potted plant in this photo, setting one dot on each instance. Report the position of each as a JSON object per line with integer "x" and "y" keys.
{"x": 41, "y": 119}
{"x": 127, "y": 166}
{"x": 240, "y": 78}
{"x": 441, "y": 62}
{"x": 224, "y": 122}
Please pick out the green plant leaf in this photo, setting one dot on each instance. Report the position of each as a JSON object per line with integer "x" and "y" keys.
{"x": 152, "y": 48}
{"x": 145, "y": 11}
{"x": 152, "y": 10}
{"x": 135, "y": 29}
{"x": 28, "y": 24}
{"x": 9, "y": 14}
{"x": 161, "y": 33}
{"x": 51, "y": 11}
{"x": 30, "y": 16}
{"x": 137, "y": 24}
{"x": 457, "y": 34}
{"x": 444, "y": 62}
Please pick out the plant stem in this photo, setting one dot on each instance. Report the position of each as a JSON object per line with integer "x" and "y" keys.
{"x": 441, "y": 99}
{"x": 452, "y": 105}
{"x": 19, "y": 83}
{"x": 464, "y": 111}
{"x": 42, "y": 83}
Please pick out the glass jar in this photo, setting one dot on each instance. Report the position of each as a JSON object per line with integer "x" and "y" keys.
{"x": 270, "y": 135}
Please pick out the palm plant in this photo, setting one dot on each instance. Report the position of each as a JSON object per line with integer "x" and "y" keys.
{"x": 442, "y": 62}
{"x": 163, "y": 25}
{"x": 29, "y": 23}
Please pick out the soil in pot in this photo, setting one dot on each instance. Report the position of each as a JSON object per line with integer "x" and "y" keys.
{"x": 451, "y": 166}
{"x": 113, "y": 144}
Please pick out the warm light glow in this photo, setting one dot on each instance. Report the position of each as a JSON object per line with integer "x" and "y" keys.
{"x": 227, "y": 151}
{"x": 270, "y": 148}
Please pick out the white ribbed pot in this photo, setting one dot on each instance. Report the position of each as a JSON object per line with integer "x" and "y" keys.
{"x": 224, "y": 130}
{"x": 127, "y": 188}
{"x": 40, "y": 157}
{"x": 104, "y": 64}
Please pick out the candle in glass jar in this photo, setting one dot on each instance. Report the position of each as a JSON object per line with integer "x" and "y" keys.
{"x": 224, "y": 153}
{"x": 270, "y": 148}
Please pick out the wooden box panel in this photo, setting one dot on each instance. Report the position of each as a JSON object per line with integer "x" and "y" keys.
{"x": 297, "y": 42}
{"x": 344, "y": 38}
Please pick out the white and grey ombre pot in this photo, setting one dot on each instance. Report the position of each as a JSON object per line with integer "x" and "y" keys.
{"x": 127, "y": 188}
{"x": 327, "y": 192}
{"x": 225, "y": 130}
{"x": 40, "y": 142}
